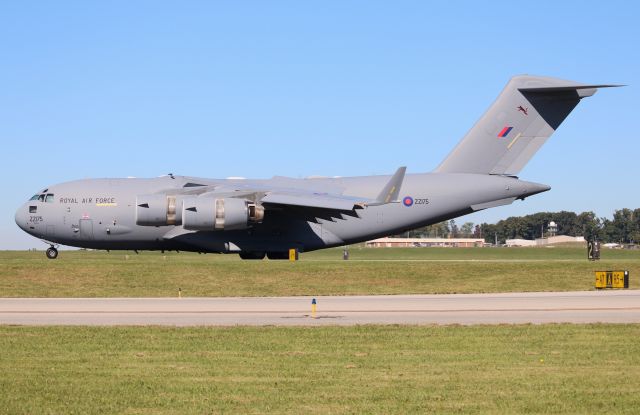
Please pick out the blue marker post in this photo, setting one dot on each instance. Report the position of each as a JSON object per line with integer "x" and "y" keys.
{"x": 314, "y": 304}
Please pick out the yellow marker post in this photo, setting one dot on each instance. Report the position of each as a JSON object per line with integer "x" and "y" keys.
{"x": 179, "y": 292}
{"x": 314, "y": 305}
{"x": 293, "y": 254}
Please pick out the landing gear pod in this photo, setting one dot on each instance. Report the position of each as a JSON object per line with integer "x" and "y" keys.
{"x": 158, "y": 210}
{"x": 210, "y": 214}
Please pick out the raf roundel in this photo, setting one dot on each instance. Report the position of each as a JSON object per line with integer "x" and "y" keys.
{"x": 407, "y": 201}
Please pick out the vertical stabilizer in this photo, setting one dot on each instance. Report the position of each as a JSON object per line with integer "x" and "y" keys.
{"x": 523, "y": 117}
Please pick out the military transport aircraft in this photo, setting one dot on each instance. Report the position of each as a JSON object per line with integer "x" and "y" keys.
{"x": 258, "y": 218}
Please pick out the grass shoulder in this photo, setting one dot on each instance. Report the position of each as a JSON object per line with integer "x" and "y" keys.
{"x": 368, "y": 271}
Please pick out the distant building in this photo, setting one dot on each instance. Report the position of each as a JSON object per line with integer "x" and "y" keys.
{"x": 560, "y": 239}
{"x": 520, "y": 242}
{"x": 425, "y": 242}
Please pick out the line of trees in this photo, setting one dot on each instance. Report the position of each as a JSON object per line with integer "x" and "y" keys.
{"x": 624, "y": 228}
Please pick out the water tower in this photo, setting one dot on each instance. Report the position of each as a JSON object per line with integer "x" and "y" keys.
{"x": 552, "y": 229}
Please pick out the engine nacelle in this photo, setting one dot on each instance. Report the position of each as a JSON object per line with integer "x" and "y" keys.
{"x": 158, "y": 210}
{"x": 212, "y": 214}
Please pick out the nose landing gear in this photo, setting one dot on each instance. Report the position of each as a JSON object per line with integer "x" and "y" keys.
{"x": 52, "y": 253}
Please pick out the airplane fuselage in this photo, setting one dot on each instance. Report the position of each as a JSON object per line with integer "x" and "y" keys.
{"x": 102, "y": 213}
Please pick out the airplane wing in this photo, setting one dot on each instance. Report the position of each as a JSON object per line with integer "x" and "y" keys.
{"x": 287, "y": 196}
{"x": 316, "y": 200}
{"x": 389, "y": 194}
{"x": 284, "y": 195}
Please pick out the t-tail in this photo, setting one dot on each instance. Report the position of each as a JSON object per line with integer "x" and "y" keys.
{"x": 523, "y": 117}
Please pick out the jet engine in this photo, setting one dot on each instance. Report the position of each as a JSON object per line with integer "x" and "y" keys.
{"x": 212, "y": 214}
{"x": 158, "y": 210}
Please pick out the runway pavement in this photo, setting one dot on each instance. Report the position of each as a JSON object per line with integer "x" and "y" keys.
{"x": 507, "y": 308}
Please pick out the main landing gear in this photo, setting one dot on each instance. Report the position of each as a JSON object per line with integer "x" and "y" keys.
{"x": 52, "y": 252}
{"x": 252, "y": 254}
{"x": 262, "y": 254}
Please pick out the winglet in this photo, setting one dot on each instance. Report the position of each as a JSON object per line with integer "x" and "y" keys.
{"x": 391, "y": 190}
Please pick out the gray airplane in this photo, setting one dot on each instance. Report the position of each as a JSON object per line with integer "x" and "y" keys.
{"x": 258, "y": 218}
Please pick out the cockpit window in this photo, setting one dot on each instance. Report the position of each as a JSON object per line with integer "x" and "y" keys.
{"x": 44, "y": 197}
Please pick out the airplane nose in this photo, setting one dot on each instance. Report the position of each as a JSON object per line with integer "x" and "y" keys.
{"x": 21, "y": 217}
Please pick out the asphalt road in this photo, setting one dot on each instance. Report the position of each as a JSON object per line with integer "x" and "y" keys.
{"x": 507, "y": 308}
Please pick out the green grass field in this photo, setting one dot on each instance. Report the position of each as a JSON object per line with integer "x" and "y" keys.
{"x": 369, "y": 271}
{"x": 368, "y": 369}
{"x": 362, "y": 369}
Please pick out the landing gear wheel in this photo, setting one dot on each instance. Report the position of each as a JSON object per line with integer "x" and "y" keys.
{"x": 252, "y": 255}
{"x": 52, "y": 253}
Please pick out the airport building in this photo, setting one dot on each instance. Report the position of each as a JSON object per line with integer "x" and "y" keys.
{"x": 425, "y": 242}
{"x": 560, "y": 239}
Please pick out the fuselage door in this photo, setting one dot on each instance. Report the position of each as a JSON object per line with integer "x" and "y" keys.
{"x": 86, "y": 229}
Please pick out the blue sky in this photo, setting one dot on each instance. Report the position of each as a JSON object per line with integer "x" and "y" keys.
{"x": 255, "y": 89}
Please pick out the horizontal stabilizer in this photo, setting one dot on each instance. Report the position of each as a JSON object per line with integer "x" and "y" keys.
{"x": 569, "y": 88}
